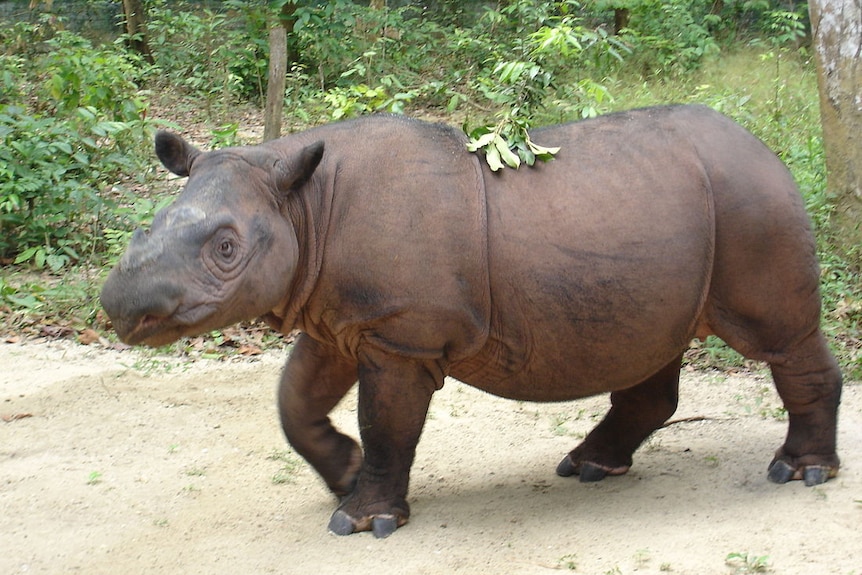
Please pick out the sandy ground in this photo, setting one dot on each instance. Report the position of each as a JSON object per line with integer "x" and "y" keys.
{"x": 123, "y": 462}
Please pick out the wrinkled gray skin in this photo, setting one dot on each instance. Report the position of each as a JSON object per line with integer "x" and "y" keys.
{"x": 403, "y": 259}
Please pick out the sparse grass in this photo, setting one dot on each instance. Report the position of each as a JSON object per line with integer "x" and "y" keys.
{"x": 191, "y": 489}
{"x": 290, "y": 466}
{"x": 764, "y": 403}
{"x": 642, "y": 558}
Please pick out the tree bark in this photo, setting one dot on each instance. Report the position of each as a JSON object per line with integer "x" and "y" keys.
{"x": 136, "y": 28}
{"x": 621, "y": 19}
{"x": 837, "y": 36}
{"x": 275, "y": 82}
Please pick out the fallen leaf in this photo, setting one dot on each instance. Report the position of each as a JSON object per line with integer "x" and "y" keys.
{"x": 16, "y": 416}
{"x": 248, "y": 349}
{"x": 56, "y": 331}
{"x": 88, "y": 336}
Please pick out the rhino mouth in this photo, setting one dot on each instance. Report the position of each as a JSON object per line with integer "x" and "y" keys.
{"x": 157, "y": 330}
{"x": 153, "y": 331}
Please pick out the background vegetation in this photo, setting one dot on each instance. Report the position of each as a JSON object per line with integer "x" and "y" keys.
{"x": 78, "y": 108}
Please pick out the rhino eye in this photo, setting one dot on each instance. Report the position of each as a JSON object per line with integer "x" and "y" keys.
{"x": 226, "y": 249}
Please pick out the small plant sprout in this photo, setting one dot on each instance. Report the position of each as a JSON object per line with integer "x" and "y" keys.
{"x": 747, "y": 563}
{"x": 569, "y": 562}
{"x": 94, "y": 478}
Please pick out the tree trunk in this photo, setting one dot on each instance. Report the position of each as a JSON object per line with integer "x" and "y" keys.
{"x": 136, "y": 28}
{"x": 621, "y": 19}
{"x": 837, "y": 35}
{"x": 275, "y": 82}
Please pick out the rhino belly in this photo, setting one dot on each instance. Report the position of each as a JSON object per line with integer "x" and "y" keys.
{"x": 596, "y": 289}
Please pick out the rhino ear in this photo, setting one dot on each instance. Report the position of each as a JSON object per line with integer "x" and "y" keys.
{"x": 292, "y": 172}
{"x": 175, "y": 153}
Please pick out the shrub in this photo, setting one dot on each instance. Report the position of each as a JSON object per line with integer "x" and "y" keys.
{"x": 72, "y": 122}
{"x": 55, "y": 178}
{"x": 671, "y": 36}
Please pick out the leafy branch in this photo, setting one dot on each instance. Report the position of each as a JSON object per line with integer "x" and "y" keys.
{"x": 520, "y": 87}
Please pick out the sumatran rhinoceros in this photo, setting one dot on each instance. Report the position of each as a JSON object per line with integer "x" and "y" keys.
{"x": 403, "y": 259}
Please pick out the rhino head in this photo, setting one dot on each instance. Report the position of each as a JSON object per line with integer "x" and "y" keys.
{"x": 223, "y": 252}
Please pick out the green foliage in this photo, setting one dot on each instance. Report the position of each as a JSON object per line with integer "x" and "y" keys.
{"x": 219, "y": 55}
{"x": 52, "y": 175}
{"x": 357, "y": 99}
{"x": 671, "y": 37}
{"x": 333, "y": 37}
{"x": 80, "y": 75}
{"x": 11, "y": 78}
{"x": 521, "y": 86}
{"x": 25, "y": 39}
{"x": 72, "y": 123}
{"x": 16, "y": 298}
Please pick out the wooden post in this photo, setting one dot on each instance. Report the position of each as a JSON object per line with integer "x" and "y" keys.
{"x": 275, "y": 82}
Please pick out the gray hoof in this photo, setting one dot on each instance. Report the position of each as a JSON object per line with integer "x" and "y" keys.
{"x": 587, "y": 472}
{"x": 341, "y": 523}
{"x": 815, "y": 475}
{"x": 780, "y": 472}
{"x": 566, "y": 468}
{"x": 384, "y": 526}
{"x": 590, "y": 472}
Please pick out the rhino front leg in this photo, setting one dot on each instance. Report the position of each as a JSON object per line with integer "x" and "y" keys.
{"x": 314, "y": 380}
{"x": 635, "y": 413}
{"x": 394, "y": 394}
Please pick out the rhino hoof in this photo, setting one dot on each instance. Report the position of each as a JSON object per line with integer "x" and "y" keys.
{"x": 815, "y": 475}
{"x": 780, "y": 472}
{"x": 587, "y": 472}
{"x": 566, "y": 468}
{"x": 341, "y": 523}
{"x": 590, "y": 472}
{"x": 384, "y": 526}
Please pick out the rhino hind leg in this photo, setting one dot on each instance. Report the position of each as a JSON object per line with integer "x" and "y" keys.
{"x": 806, "y": 376}
{"x": 635, "y": 413}
{"x": 809, "y": 383}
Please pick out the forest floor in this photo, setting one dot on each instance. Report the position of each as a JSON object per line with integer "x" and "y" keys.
{"x": 126, "y": 462}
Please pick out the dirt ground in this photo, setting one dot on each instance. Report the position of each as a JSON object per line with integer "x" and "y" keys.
{"x": 123, "y": 462}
